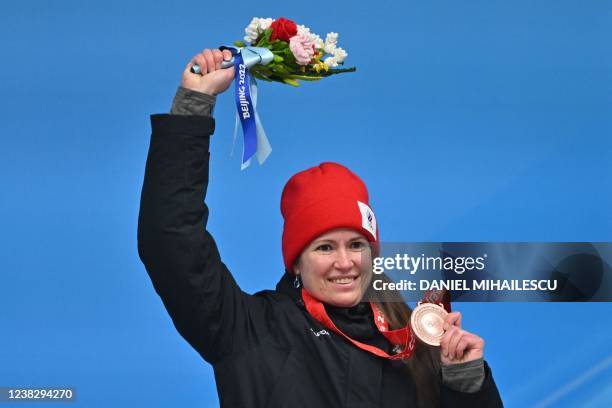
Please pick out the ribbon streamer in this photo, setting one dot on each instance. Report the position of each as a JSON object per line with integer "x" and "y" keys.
{"x": 255, "y": 141}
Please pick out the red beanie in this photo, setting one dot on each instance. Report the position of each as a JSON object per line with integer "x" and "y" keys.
{"x": 320, "y": 199}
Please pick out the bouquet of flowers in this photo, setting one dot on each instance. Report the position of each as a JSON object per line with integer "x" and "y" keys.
{"x": 298, "y": 53}
{"x": 279, "y": 51}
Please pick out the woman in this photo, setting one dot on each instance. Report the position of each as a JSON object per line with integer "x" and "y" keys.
{"x": 275, "y": 348}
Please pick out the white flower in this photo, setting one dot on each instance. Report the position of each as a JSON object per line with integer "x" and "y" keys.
{"x": 331, "y": 39}
{"x": 317, "y": 41}
{"x": 265, "y": 23}
{"x": 251, "y": 30}
{"x": 340, "y": 55}
{"x": 302, "y": 29}
{"x": 331, "y": 62}
{"x": 256, "y": 27}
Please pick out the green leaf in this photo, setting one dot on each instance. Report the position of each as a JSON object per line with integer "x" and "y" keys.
{"x": 280, "y": 68}
{"x": 289, "y": 60}
{"x": 334, "y": 71}
{"x": 264, "y": 41}
{"x": 278, "y": 46}
{"x": 305, "y": 77}
{"x": 263, "y": 69}
{"x": 239, "y": 44}
{"x": 262, "y": 77}
{"x": 291, "y": 82}
{"x": 261, "y": 72}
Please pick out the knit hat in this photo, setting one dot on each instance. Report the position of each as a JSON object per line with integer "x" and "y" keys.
{"x": 320, "y": 199}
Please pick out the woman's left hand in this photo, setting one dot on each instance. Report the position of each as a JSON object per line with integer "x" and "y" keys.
{"x": 458, "y": 345}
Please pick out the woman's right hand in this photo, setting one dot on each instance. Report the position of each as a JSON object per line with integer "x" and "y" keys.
{"x": 213, "y": 79}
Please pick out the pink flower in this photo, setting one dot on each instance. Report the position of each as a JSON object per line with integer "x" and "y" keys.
{"x": 302, "y": 48}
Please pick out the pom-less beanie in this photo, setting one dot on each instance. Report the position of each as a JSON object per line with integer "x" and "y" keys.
{"x": 320, "y": 199}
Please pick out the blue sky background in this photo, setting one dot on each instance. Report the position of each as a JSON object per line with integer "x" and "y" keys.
{"x": 469, "y": 121}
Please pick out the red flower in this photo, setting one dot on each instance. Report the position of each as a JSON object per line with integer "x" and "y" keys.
{"x": 283, "y": 29}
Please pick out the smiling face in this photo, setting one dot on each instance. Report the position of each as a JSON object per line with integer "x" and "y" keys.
{"x": 336, "y": 268}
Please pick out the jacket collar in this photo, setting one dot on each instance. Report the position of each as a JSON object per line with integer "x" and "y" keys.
{"x": 356, "y": 321}
{"x": 285, "y": 286}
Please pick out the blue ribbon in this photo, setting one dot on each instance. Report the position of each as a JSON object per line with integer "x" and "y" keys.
{"x": 245, "y": 108}
{"x": 245, "y": 91}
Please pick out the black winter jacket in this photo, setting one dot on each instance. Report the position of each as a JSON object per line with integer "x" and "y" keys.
{"x": 266, "y": 350}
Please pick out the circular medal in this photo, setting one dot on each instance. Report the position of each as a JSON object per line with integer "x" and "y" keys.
{"x": 427, "y": 323}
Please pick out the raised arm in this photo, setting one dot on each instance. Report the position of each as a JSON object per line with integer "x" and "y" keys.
{"x": 205, "y": 303}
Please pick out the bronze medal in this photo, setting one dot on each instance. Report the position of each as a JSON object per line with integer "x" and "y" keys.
{"x": 427, "y": 323}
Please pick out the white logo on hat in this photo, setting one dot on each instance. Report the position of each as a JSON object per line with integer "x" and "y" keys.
{"x": 368, "y": 220}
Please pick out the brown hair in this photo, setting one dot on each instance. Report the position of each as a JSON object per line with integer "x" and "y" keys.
{"x": 424, "y": 364}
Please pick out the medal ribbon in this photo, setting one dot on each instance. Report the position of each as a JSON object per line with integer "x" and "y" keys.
{"x": 439, "y": 297}
{"x": 401, "y": 337}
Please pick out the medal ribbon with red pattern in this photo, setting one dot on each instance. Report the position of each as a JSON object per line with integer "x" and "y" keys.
{"x": 400, "y": 338}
